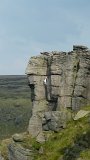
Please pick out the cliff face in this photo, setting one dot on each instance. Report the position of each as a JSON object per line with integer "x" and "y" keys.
{"x": 68, "y": 86}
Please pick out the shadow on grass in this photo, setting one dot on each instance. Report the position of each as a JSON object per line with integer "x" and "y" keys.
{"x": 81, "y": 143}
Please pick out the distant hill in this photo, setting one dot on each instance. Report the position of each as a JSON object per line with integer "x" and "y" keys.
{"x": 12, "y": 86}
{"x": 15, "y": 104}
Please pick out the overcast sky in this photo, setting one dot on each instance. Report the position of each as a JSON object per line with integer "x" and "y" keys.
{"x": 28, "y": 27}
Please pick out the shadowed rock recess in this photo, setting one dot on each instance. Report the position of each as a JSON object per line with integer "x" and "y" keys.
{"x": 68, "y": 87}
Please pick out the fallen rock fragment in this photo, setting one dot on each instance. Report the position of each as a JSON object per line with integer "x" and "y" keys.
{"x": 81, "y": 114}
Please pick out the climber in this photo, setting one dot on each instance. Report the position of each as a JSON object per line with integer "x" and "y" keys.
{"x": 45, "y": 81}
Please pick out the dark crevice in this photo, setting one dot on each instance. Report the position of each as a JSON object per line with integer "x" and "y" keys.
{"x": 79, "y": 85}
{"x": 65, "y": 95}
{"x": 75, "y": 71}
{"x": 81, "y": 96}
{"x": 32, "y": 87}
{"x": 46, "y": 95}
{"x": 52, "y": 99}
{"x": 53, "y": 104}
{"x": 57, "y": 74}
{"x": 49, "y": 61}
{"x": 82, "y": 86}
{"x": 54, "y": 86}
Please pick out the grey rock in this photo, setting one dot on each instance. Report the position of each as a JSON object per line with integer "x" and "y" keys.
{"x": 16, "y": 152}
{"x": 81, "y": 114}
{"x": 17, "y": 137}
{"x": 45, "y": 127}
{"x": 68, "y": 86}
{"x": 40, "y": 138}
{"x": 41, "y": 150}
{"x": 35, "y": 125}
{"x": 37, "y": 66}
{"x": 48, "y": 115}
{"x": 55, "y": 120}
{"x": 78, "y": 47}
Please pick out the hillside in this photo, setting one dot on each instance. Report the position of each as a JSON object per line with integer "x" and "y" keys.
{"x": 12, "y": 86}
{"x": 71, "y": 143}
{"x": 15, "y": 105}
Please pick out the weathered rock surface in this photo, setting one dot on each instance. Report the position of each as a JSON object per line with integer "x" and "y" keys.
{"x": 81, "y": 114}
{"x": 55, "y": 120}
{"x": 68, "y": 86}
{"x": 17, "y": 152}
{"x": 18, "y": 137}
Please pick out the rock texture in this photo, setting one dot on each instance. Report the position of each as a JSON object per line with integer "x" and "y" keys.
{"x": 68, "y": 86}
{"x": 17, "y": 152}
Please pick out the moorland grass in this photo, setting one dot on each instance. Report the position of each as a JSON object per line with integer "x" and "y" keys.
{"x": 15, "y": 105}
{"x": 71, "y": 143}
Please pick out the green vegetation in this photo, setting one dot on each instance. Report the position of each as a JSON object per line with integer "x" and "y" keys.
{"x": 4, "y": 149}
{"x": 15, "y": 105}
{"x": 71, "y": 143}
{"x": 14, "y": 87}
{"x": 14, "y": 116}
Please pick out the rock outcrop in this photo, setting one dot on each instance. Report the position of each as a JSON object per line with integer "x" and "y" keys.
{"x": 68, "y": 86}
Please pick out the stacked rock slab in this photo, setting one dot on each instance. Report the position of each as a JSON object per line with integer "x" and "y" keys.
{"x": 68, "y": 84}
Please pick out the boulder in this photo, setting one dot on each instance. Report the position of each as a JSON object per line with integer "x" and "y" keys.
{"x": 18, "y": 137}
{"x": 41, "y": 150}
{"x": 40, "y": 138}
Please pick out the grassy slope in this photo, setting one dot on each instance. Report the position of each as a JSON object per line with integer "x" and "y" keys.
{"x": 15, "y": 105}
{"x": 71, "y": 143}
